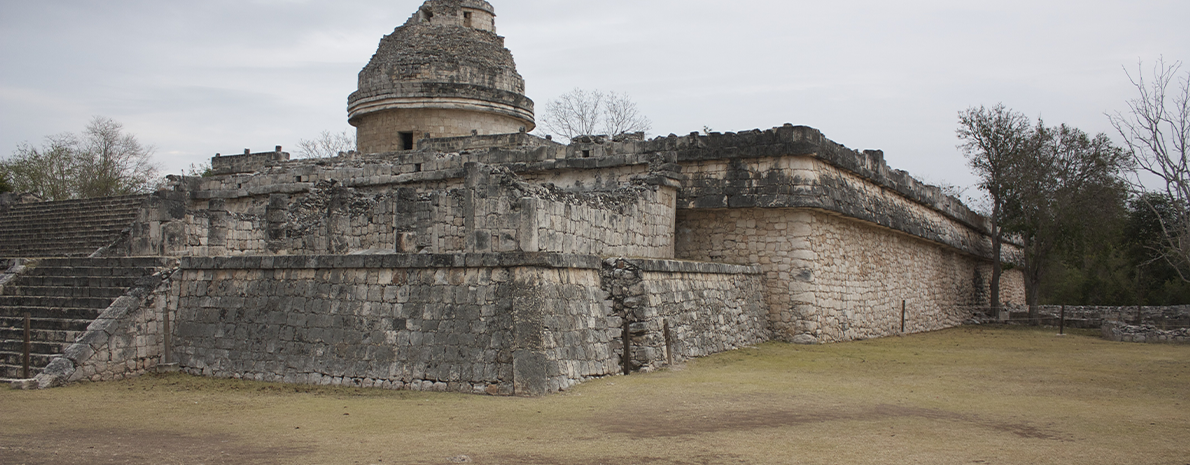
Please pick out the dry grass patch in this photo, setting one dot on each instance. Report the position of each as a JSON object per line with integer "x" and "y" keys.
{"x": 967, "y": 395}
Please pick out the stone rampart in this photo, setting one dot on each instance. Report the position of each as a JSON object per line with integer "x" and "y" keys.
{"x": 506, "y": 323}
{"x": 465, "y": 323}
{"x": 840, "y": 279}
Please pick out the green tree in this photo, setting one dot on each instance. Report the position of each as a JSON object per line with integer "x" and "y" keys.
{"x": 103, "y": 161}
{"x": 1158, "y": 282}
{"x": 1069, "y": 193}
{"x": 4, "y": 187}
{"x": 994, "y": 140}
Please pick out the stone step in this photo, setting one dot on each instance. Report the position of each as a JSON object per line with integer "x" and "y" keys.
{"x": 58, "y": 233}
{"x": 32, "y": 237}
{"x": 64, "y": 219}
{"x": 36, "y": 347}
{"x": 67, "y": 204}
{"x": 62, "y": 232}
{"x": 89, "y": 272}
{"x": 17, "y": 359}
{"x": 60, "y": 291}
{"x": 63, "y": 222}
{"x": 76, "y": 281}
{"x": 13, "y": 301}
{"x": 56, "y": 324}
{"x": 10, "y": 373}
{"x": 70, "y": 313}
{"x": 93, "y": 206}
{"x": 110, "y": 262}
{"x": 39, "y": 335}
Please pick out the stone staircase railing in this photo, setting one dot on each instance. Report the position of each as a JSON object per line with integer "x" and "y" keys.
{"x": 62, "y": 297}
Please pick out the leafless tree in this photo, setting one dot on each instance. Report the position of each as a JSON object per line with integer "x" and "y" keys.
{"x": 103, "y": 161}
{"x": 327, "y": 145}
{"x": 112, "y": 162}
{"x": 581, "y": 113}
{"x": 1156, "y": 130}
{"x": 621, "y": 116}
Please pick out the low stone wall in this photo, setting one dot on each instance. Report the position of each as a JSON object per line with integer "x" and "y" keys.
{"x": 1095, "y": 317}
{"x": 479, "y": 323}
{"x": 1121, "y": 332}
{"x": 691, "y": 309}
{"x": 501, "y": 324}
{"x": 248, "y": 162}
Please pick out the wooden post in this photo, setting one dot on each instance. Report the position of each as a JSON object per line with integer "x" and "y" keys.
{"x": 669, "y": 343}
{"x": 1062, "y": 321}
{"x": 627, "y": 337}
{"x": 28, "y": 346}
{"x": 902, "y": 316}
{"x": 165, "y": 349}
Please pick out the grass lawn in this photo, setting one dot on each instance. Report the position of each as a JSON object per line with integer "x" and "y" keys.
{"x": 981, "y": 394}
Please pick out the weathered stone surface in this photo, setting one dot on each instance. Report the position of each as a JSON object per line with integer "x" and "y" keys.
{"x": 453, "y": 251}
{"x": 1122, "y": 332}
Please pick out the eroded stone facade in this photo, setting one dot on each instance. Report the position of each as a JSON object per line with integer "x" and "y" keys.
{"x": 512, "y": 264}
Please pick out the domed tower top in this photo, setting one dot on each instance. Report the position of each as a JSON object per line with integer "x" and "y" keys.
{"x": 444, "y": 73}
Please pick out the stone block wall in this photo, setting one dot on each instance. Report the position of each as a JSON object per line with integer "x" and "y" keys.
{"x": 248, "y": 162}
{"x": 375, "y": 131}
{"x": 486, "y": 210}
{"x": 500, "y": 324}
{"x": 1122, "y": 332}
{"x": 862, "y": 274}
{"x": 675, "y": 310}
{"x": 839, "y": 279}
{"x": 810, "y": 182}
{"x": 1177, "y": 316}
{"x": 635, "y": 222}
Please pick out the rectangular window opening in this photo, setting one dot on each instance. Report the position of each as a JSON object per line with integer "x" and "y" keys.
{"x": 406, "y": 141}
{"x": 467, "y": 18}
{"x": 586, "y": 154}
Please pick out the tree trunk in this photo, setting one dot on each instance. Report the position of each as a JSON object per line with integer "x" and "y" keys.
{"x": 996, "y": 268}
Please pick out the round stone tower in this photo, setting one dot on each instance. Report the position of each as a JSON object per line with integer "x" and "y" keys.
{"x": 444, "y": 73}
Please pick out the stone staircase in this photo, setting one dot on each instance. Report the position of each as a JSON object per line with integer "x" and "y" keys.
{"x": 72, "y": 228}
{"x": 62, "y": 297}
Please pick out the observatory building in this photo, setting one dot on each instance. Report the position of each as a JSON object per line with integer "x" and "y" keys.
{"x": 456, "y": 251}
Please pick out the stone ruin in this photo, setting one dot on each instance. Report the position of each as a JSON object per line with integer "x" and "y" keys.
{"x": 454, "y": 251}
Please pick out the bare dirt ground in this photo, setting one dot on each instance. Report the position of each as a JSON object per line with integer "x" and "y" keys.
{"x": 990, "y": 395}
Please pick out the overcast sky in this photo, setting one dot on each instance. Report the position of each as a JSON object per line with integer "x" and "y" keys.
{"x": 198, "y": 77}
